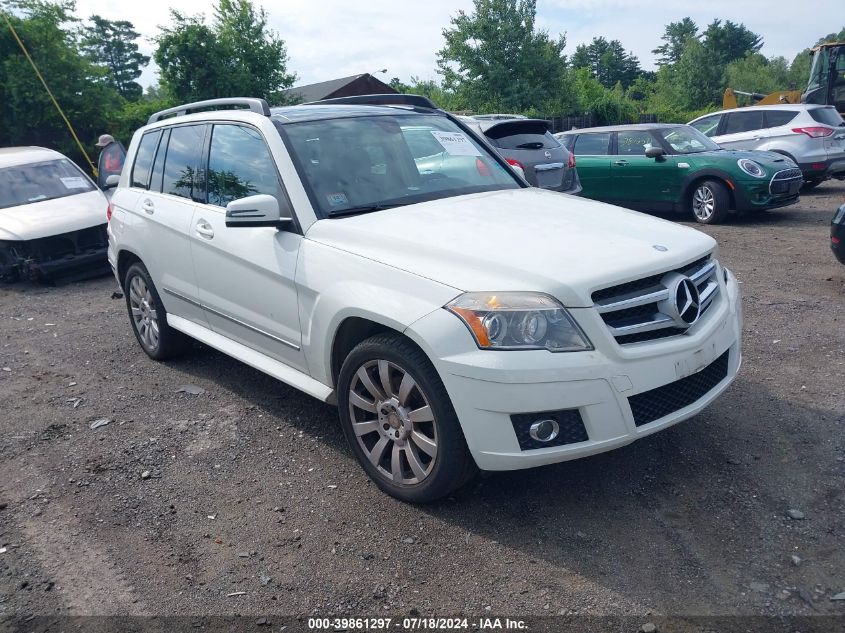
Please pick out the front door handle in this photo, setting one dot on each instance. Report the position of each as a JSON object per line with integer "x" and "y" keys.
{"x": 148, "y": 206}
{"x": 621, "y": 163}
{"x": 204, "y": 230}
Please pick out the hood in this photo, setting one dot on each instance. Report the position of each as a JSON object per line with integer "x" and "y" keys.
{"x": 525, "y": 239}
{"x": 766, "y": 159}
{"x": 53, "y": 217}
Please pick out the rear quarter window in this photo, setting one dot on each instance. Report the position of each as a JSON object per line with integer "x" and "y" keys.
{"x": 144, "y": 159}
{"x": 828, "y": 116}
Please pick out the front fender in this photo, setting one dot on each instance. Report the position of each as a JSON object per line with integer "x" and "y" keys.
{"x": 365, "y": 289}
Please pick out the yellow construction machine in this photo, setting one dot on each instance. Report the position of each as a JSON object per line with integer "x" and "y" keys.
{"x": 825, "y": 87}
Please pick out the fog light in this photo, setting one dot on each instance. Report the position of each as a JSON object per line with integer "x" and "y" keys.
{"x": 544, "y": 430}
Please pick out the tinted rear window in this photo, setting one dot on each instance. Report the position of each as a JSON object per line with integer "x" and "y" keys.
{"x": 180, "y": 165}
{"x": 828, "y": 116}
{"x": 592, "y": 144}
{"x": 776, "y": 118}
{"x": 738, "y": 122}
{"x": 144, "y": 159}
{"x": 522, "y": 135}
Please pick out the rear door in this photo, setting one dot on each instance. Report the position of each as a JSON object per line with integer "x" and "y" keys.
{"x": 741, "y": 129}
{"x": 164, "y": 175}
{"x": 637, "y": 180}
{"x": 246, "y": 274}
{"x": 592, "y": 160}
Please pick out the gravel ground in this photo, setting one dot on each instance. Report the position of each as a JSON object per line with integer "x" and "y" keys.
{"x": 244, "y": 498}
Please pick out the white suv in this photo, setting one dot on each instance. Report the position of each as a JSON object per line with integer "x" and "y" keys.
{"x": 458, "y": 317}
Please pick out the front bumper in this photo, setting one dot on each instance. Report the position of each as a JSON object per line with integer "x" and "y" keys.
{"x": 487, "y": 387}
{"x": 77, "y": 254}
{"x": 757, "y": 195}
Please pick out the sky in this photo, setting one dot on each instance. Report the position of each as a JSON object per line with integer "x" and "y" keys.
{"x": 327, "y": 39}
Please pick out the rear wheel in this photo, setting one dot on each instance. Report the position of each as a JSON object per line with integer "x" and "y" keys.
{"x": 710, "y": 202}
{"x": 149, "y": 318}
{"x": 400, "y": 422}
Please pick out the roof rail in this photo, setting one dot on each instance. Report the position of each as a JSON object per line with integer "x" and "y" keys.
{"x": 418, "y": 101}
{"x": 254, "y": 105}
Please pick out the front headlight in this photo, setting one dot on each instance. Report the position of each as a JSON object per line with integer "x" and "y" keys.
{"x": 751, "y": 168}
{"x": 519, "y": 320}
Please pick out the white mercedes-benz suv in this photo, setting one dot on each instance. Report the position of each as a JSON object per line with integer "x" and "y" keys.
{"x": 459, "y": 318}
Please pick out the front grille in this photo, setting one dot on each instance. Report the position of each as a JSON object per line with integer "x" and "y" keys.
{"x": 56, "y": 247}
{"x": 657, "y": 403}
{"x": 571, "y": 425}
{"x": 637, "y": 311}
{"x": 787, "y": 181}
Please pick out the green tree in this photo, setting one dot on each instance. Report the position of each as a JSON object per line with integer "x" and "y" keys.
{"x": 755, "y": 73}
{"x": 495, "y": 58}
{"x": 674, "y": 37}
{"x": 111, "y": 45}
{"x": 607, "y": 61}
{"x": 28, "y": 117}
{"x": 236, "y": 55}
{"x": 730, "y": 41}
{"x": 697, "y": 77}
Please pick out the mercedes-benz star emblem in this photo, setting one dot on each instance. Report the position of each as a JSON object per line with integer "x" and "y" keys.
{"x": 687, "y": 301}
{"x": 659, "y": 247}
{"x": 683, "y": 303}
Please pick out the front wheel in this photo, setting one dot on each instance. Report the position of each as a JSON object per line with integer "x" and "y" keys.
{"x": 400, "y": 422}
{"x": 710, "y": 202}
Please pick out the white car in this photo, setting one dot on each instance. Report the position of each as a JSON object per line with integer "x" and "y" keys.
{"x": 458, "y": 319}
{"x": 52, "y": 217}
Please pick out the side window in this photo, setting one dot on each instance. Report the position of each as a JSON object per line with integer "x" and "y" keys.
{"x": 158, "y": 163}
{"x": 239, "y": 165}
{"x": 144, "y": 159}
{"x": 708, "y": 125}
{"x": 180, "y": 163}
{"x": 738, "y": 122}
{"x": 634, "y": 142}
{"x": 592, "y": 144}
{"x": 776, "y": 118}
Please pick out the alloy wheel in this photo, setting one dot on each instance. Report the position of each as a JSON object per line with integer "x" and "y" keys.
{"x": 703, "y": 203}
{"x": 144, "y": 313}
{"x": 393, "y": 422}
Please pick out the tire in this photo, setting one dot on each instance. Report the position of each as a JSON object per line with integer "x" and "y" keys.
{"x": 149, "y": 318}
{"x": 811, "y": 184}
{"x": 710, "y": 202}
{"x": 409, "y": 442}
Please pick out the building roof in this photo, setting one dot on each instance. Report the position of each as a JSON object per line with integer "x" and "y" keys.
{"x": 326, "y": 89}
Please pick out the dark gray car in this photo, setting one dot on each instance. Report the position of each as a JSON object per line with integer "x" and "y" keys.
{"x": 529, "y": 145}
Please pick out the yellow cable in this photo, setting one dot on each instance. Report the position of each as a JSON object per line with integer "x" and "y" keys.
{"x": 52, "y": 98}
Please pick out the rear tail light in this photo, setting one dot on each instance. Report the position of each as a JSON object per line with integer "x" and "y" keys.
{"x": 483, "y": 169}
{"x": 108, "y": 213}
{"x": 814, "y": 132}
{"x": 571, "y": 162}
{"x": 515, "y": 163}
{"x": 835, "y": 240}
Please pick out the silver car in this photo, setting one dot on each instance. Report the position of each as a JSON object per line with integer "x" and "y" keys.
{"x": 811, "y": 135}
{"x": 528, "y": 145}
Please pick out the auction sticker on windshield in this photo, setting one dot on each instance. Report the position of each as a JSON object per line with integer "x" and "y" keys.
{"x": 74, "y": 182}
{"x": 456, "y": 143}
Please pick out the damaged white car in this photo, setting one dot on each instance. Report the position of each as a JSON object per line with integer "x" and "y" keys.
{"x": 52, "y": 217}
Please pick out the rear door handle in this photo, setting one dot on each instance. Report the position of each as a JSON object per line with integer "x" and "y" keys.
{"x": 148, "y": 206}
{"x": 622, "y": 163}
{"x": 204, "y": 229}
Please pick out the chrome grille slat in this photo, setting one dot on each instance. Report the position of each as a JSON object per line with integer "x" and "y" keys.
{"x": 632, "y": 310}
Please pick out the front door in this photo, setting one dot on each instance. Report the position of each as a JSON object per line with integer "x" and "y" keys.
{"x": 638, "y": 181}
{"x": 592, "y": 161}
{"x": 246, "y": 274}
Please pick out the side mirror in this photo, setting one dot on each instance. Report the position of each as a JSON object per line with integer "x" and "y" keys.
{"x": 655, "y": 152}
{"x": 258, "y": 210}
{"x": 112, "y": 181}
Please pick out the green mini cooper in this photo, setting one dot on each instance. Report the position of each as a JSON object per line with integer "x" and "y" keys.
{"x": 661, "y": 167}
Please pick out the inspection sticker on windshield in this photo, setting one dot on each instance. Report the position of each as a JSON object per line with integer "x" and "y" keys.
{"x": 74, "y": 182}
{"x": 337, "y": 199}
{"x": 456, "y": 143}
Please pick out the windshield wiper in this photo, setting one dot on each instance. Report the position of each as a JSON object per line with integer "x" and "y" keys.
{"x": 367, "y": 208}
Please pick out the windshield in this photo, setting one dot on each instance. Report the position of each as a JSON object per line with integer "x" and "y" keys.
{"x": 687, "y": 140}
{"x": 36, "y": 182}
{"x": 368, "y": 163}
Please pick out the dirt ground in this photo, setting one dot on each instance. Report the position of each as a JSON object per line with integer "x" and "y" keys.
{"x": 245, "y": 498}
